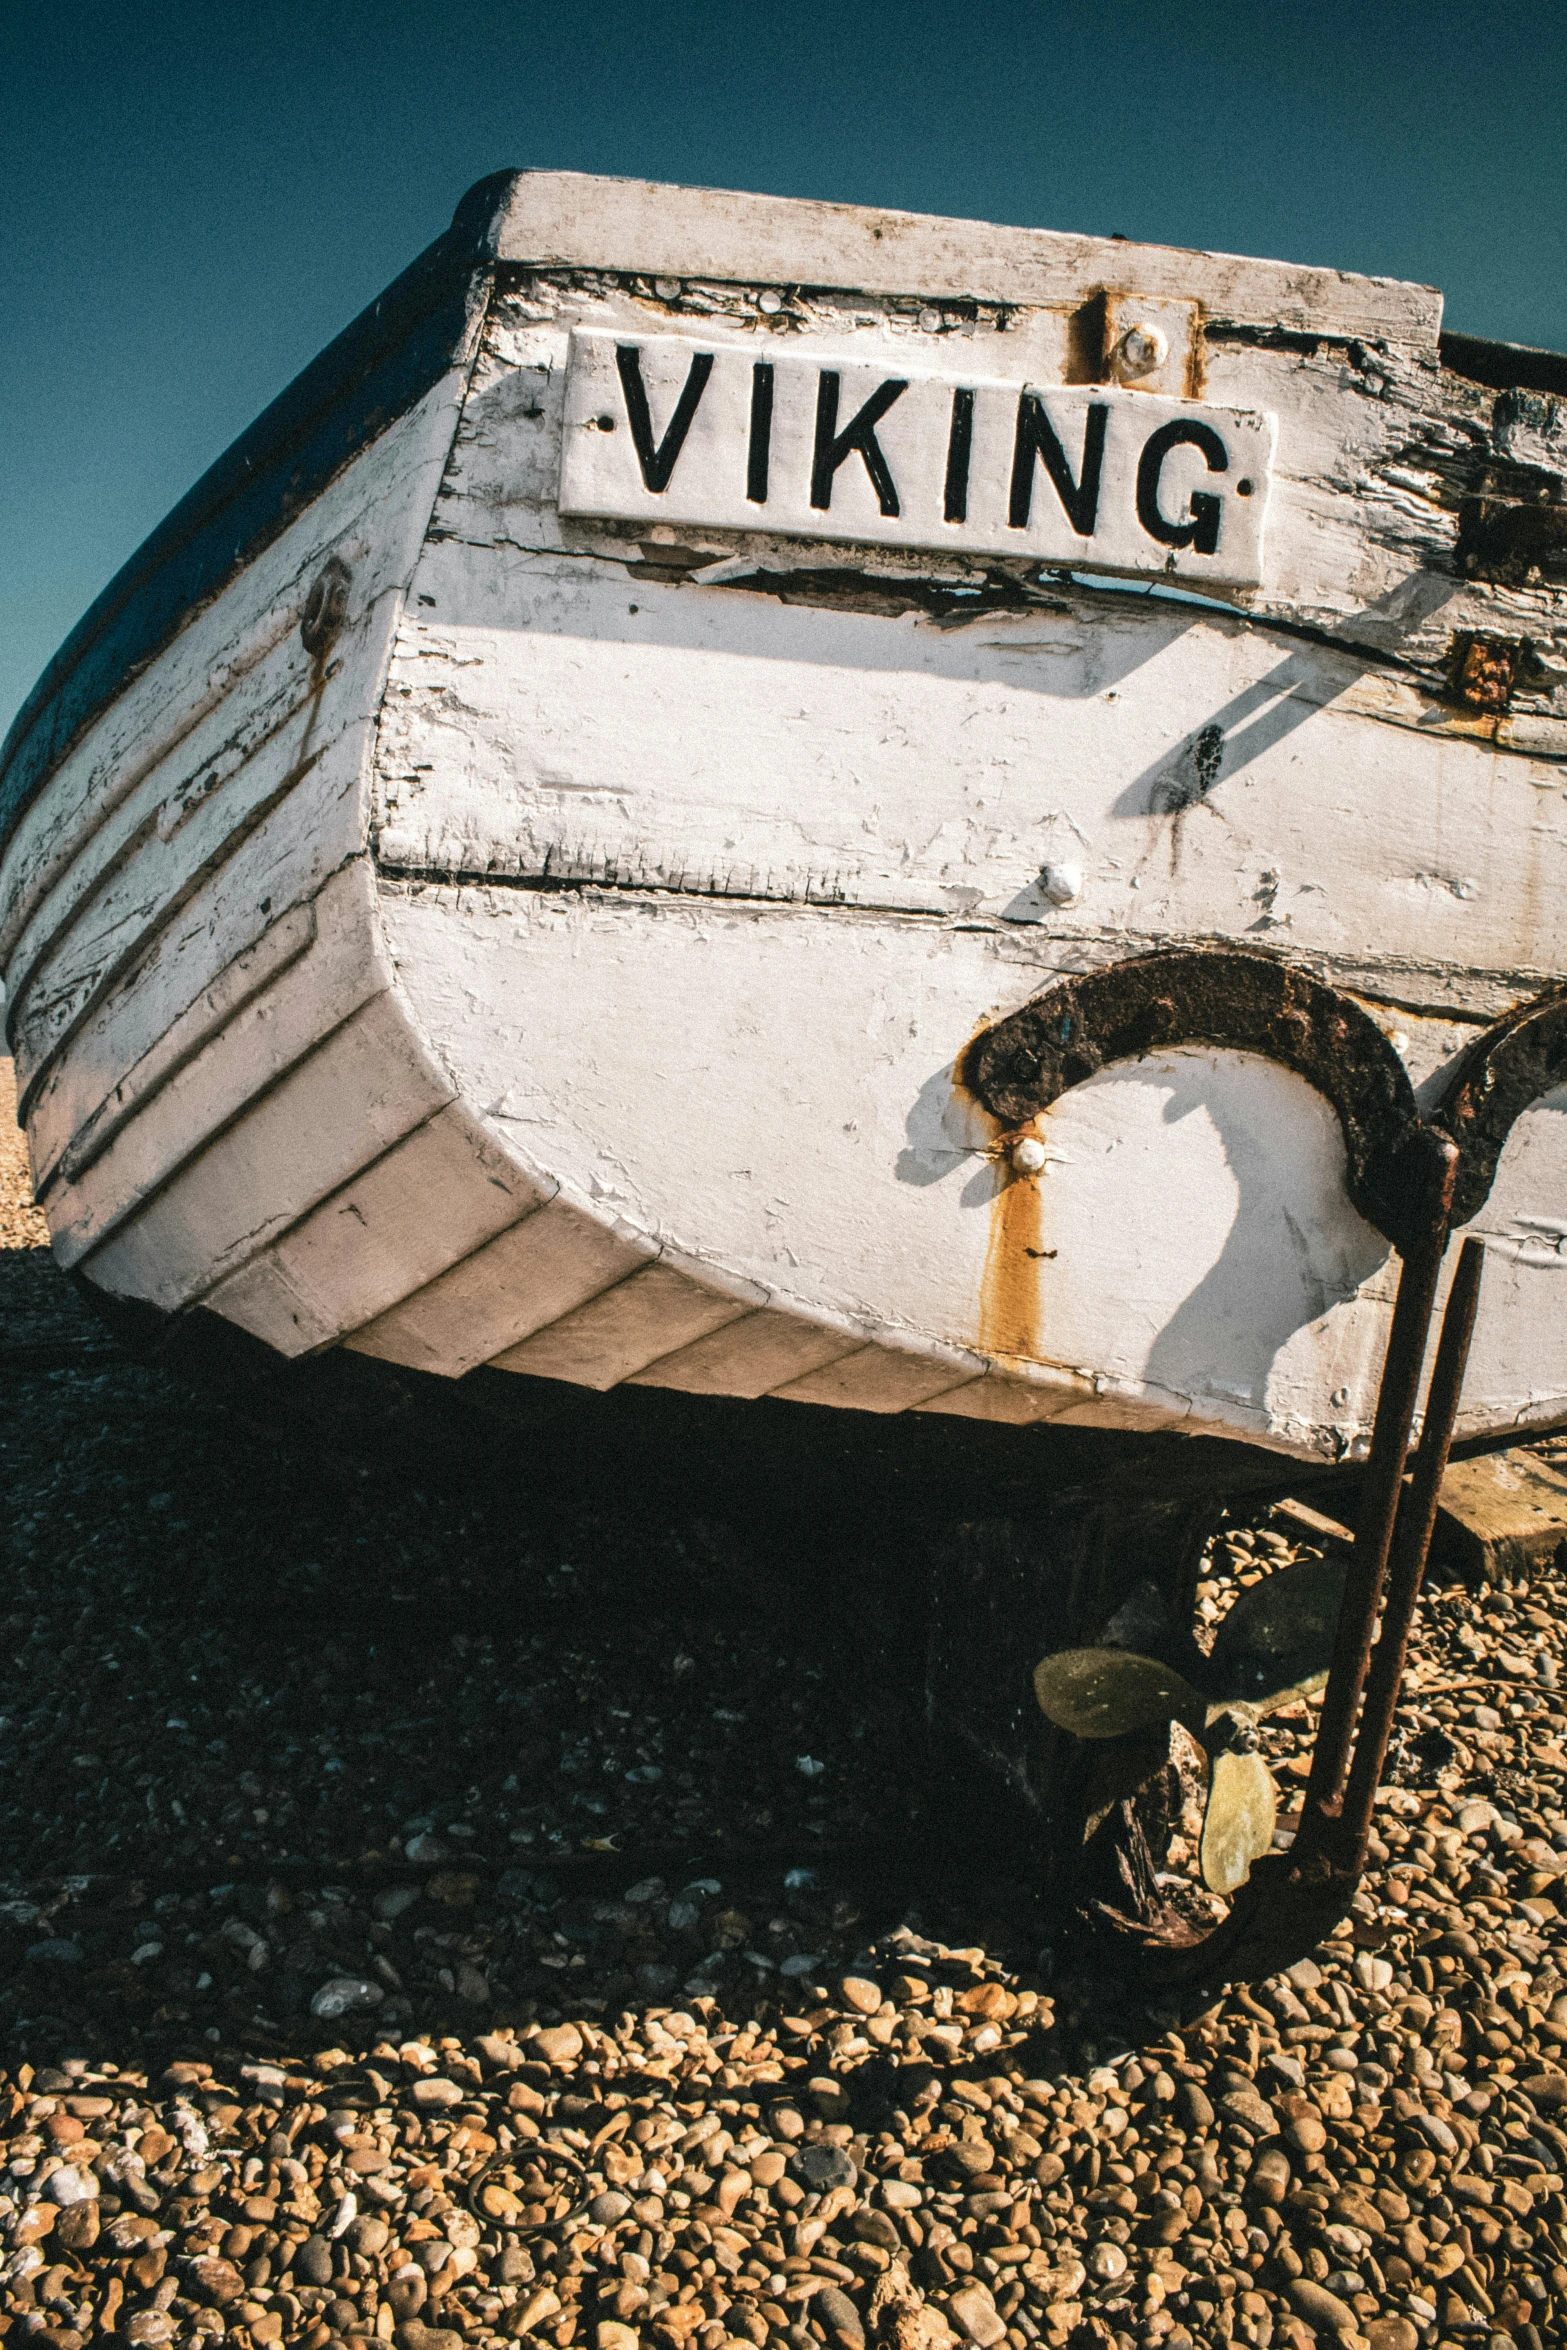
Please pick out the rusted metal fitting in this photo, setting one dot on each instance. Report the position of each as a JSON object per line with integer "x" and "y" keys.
{"x": 326, "y": 607}
{"x": 1483, "y": 672}
{"x": 1252, "y": 1003}
{"x": 1510, "y": 1066}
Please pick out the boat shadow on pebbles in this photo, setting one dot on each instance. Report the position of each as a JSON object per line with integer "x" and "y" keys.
{"x": 314, "y": 1938}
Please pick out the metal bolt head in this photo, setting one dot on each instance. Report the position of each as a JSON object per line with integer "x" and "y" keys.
{"x": 1143, "y": 349}
{"x": 1027, "y": 1154}
{"x": 770, "y": 303}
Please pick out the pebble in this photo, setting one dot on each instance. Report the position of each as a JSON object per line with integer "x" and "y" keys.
{"x": 434, "y": 2092}
{"x": 1319, "y": 2307}
{"x": 823, "y": 2166}
{"x": 841, "y": 2320}
{"x": 975, "y": 2315}
{"x": 313, "y": 2261}
{"x": 345, "y": 1995}
{"x": 69, "y": 2185}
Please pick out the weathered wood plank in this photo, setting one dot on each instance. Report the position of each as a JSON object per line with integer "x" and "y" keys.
{"x": 1501, "y": 1515}
{"x": 114, "y": 928}
{"x": 239, "y": 761}
{"x": 238, "y": 984}
{"x": 617, "y": 1334}
{"x": 213, "y": 1063}
{"x": 363, "y": 1089}
{"x": 1017, "y": 1402}
{"x": 291, "y": 858}
{"x": 879, "y": 1379}
{"x": 944, "y": 773}
{"x": 373, "y": 516}
{"x": 751, "y": 1357}
{"x": 568, "y": 219}
{"x": 554, "y": 1260}
{"x": 432, "y": 1199}
{"x": 264, "y": 714}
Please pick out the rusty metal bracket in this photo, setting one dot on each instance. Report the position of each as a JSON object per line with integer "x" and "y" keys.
{"x": 1484, "y": 671}
{"x": 1415, "y": 1180}
{"x": 1247, "y": 1002}
{"x": 1522, "y": 1057}
{"x": 1293, "y": 1900}
{"x": 1407, "y": 1177}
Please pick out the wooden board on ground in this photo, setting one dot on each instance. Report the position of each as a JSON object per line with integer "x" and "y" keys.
{"x": 1502, "y": 1513}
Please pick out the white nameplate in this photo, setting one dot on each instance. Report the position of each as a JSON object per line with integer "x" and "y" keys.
{"x": 666, "y": 428}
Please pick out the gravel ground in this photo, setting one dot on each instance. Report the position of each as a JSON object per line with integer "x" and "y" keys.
{"x": 436, "y": 1918}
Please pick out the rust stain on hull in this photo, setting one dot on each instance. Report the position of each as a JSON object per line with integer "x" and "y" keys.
{"x": 1009, "y": 1296}
{"x": 1016, "y": 1250}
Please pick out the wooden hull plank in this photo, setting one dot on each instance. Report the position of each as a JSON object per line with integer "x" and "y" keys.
{"x": 431, "y": 1200}
{"x": 236, "y": 986}
{"x": 1018, "y": 1402}
{"x": 193, "y": 1096}
{"x": 561, "y": 219}
{"x": 755, "y": 1356}
{"x": 355, "y": 1095}
{"x": 616, "y": 1335}
{"x": 664, "y": 749}
{"x": 879, "y": 1379}
{"x": 555, "y": 1260}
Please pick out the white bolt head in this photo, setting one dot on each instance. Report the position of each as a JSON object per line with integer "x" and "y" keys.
{"x": 1062, "y": 883}
{"x": 1143, "y": 348}
{"x": 771, "y": 304}
{"x": 1028, "y": 1154}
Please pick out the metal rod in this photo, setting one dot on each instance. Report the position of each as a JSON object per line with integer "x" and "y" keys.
{"x": 1385, "y": 1466}
{"x": 1411, "y": 1549}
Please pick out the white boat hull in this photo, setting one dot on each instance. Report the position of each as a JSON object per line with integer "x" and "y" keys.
{"x": 568, "y": 965}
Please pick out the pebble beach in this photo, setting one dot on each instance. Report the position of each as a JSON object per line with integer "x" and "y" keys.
{"x": 433, "y": 1915}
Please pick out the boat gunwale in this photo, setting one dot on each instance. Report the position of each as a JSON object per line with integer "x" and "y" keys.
{"x": 367, "y": 377}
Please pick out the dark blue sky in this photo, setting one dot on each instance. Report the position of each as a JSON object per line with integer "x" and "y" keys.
{"x": 197, "y": 197}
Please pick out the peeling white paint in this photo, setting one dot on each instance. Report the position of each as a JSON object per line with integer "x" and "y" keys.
{"x": 570, "y": 972}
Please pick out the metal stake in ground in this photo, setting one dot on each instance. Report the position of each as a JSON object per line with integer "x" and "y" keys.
{"x": 1396, "y": 1402}
{"x": 1291, "y": 1901}
{"x": 1412, "y": 1548}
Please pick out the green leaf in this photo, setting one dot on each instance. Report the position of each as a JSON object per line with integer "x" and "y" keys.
{"x": 1277, "y": 1640}
{"x": 1238, "y": 1825}
{"x": 1106, "y": 1692}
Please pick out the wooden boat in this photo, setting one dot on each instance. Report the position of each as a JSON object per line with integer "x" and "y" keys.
{"x": 768, "y": 799}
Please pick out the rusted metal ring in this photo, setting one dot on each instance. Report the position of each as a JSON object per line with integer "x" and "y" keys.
{"x": 1246, "y": 1002}
{"x": 326, "y": 608}
{"x": 1497, "y": 1079}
